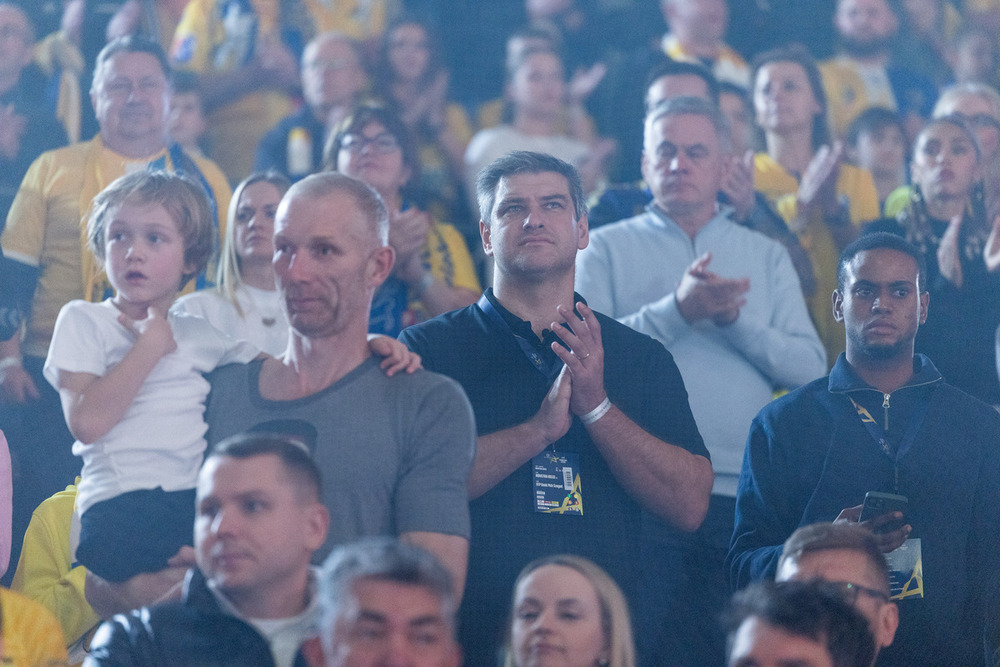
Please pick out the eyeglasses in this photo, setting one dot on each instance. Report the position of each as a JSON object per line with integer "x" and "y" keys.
{"x": 849, "y": 592}
{"x": 381, "y": 144}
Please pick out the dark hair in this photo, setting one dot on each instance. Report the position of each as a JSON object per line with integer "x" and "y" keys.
{"x": 800, "y": 56}
{"x": 669, "y": 67}
{"x": 525, "y": 162}
{"x": 959, "y": 121}
{"x": 292, "y": 452}
{"x": 871, "y": 121}
{"x": 131, "y": 44}
{"x": 730, "y": 88}
{"x": 533, "y": 32}
{"x": 879, "y": 241}
{"x": 362, "y": 117}
{"x": 380, "y": 559}
{"x": 806, "y": 609}
{"x": 833, "y": 536}
{"x": 184, "y": 201}
{"x": 514, "y": 65}
{"x": 383, "y": 74}
{"x": 186, "y": 82}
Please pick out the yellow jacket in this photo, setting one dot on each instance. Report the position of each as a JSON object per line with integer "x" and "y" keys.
{"x": 780, "y": 188}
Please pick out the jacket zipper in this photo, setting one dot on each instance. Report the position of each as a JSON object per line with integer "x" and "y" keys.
{"x": 885, "y": 410}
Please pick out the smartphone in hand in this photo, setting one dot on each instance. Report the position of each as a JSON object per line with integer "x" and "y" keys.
{"x": 878, "y": 503}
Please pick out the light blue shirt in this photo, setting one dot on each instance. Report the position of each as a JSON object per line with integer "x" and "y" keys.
{"x": 630, "y": 271}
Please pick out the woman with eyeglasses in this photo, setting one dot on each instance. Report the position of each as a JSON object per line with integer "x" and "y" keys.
{"x": 433, "y": 272}
{"x": 803, "y": 176}
{"x": 946, "y": 219}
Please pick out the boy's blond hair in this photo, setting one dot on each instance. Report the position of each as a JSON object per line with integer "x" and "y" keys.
{"x": 184, "y": 201}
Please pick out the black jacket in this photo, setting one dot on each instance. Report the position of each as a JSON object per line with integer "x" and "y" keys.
{"x": 193, "y": 632}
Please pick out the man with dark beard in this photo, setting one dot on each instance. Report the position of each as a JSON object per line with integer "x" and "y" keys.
{"x": 863, "y": 74}
{"x": 884, "y": 421}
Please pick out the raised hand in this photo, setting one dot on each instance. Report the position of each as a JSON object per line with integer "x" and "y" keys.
{"x": 949, "y": 254}
{"x": 553, "y": 417}
{"x": 408, "y": 232}
{"x": 738, "y": 185}
{"x": 584, "y": 359}
{"x": 818, "y": 187}
{"x": 153, "y": 333}
{"x": 991, "y": 254}
{"x": 703, "y": 295}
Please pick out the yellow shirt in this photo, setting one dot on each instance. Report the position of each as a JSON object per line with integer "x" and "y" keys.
{"x": 31, "y": 635}
{"x": 359, "y": 19}
{"x": 46, "y": 220}
{"x": 46, "y": 573}
{"x": 201, "y": 44}
{"x": 727, "y": 66}
{"x": 780, "y": 188}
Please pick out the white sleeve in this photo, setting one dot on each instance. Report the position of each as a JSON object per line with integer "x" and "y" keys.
{"x": 76, "y": 343}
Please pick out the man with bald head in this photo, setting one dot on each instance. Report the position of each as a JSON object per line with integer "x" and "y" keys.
{"x": 333, "y": 80}
{"x": 396, "y": 451}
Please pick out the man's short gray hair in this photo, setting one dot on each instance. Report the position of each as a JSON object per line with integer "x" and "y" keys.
{"x": 367, "y": 199}
{"x": 130, "y": 44}
{"x": 694, "y": 106}
{"x": 380, "y": 559}
{"x": 526, "y": 162}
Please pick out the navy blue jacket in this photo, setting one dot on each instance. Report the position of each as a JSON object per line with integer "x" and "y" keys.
{"x": 809, "y": 456}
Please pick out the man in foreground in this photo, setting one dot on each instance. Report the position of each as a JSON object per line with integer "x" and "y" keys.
{"x": 251, "y": 599}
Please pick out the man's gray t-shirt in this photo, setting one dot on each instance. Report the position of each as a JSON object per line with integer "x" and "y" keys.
{"x": 394, "y": 453}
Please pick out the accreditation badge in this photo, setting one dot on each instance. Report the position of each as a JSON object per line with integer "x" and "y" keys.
{"x": 556, "y": 477}
{"x": 906, "y": 571}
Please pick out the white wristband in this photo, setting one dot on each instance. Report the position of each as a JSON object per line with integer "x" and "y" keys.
{"x": 598, "y": 412}
{"x": 9, "y": 362}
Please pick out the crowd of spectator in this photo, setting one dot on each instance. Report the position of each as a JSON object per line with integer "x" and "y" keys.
{"x": 244, "y": 332}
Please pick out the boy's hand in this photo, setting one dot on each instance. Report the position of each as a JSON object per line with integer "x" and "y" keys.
{"x": 153, "y": 333}
{"x": 397, "y": 357}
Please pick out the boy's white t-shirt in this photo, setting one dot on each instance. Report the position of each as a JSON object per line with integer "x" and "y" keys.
{"x": 160, "y": 441}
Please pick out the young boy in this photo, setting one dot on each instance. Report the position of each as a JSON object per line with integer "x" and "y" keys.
{"x": 186, "y": 121}
{"x": 130, "y": 376}
{"x": 876, "y": 141}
